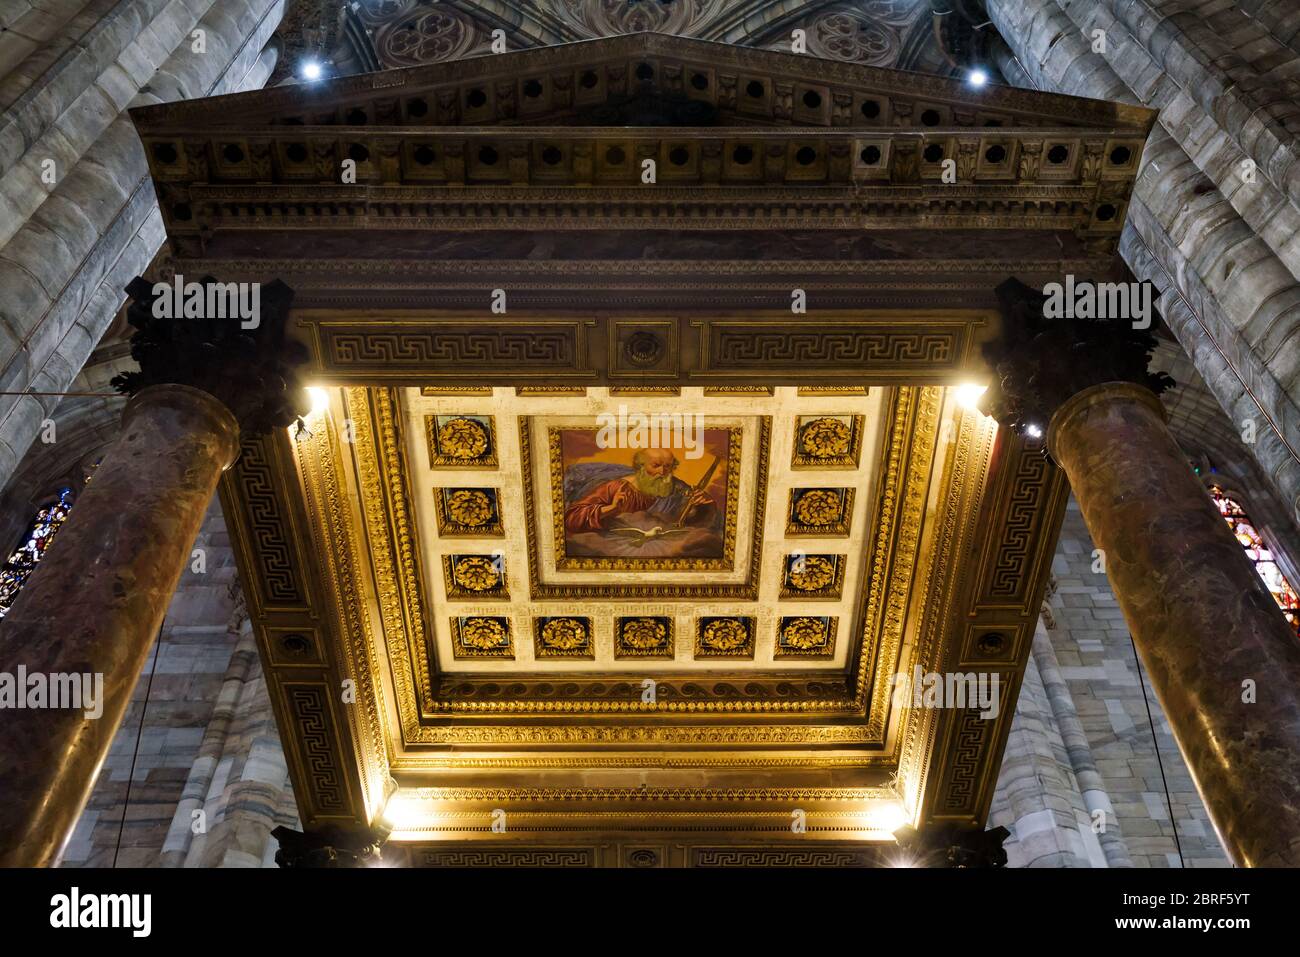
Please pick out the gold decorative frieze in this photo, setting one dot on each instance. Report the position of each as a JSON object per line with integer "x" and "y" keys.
{"x": 434, "y": 391}
{"x": 813, "y": 577}
{"x": 482, "y": 637}
{"x": 827, "y": 442}
{"x": 738, "y": 390}
{"x": 461, "y": 441}
{"x": 645, "y": 390}
{"x": 564, "y": 637}
{"x": 468, "y": 512}
{"x": 551, "y": 390}
{"x": 820, "y": 511}
{"x": 474, "y": 576}
{"x": 724, "y": 637}
{"x": 805, "y": 637}
{"x": 644, "y": 636}
{"x": 833, "y": 390}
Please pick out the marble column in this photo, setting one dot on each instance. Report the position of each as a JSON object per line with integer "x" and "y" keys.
{"x": 94, "y": 606}
{"x": 1222, "y": 659}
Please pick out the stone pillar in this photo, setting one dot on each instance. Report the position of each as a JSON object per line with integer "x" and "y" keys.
{"x": 1202, "y": 620}
{"x": 95, "y": 604}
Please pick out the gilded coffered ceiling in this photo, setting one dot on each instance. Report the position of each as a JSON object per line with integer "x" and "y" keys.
{"x": 538, "y": 566}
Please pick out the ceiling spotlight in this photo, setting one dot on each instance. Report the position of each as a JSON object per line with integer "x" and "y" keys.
{"x": 1033, "y": 431}
{"x": 311, "y": 70}
{"x": 977, "y": 77}
{"x": 968, "y": 395}
{"x": 320, "y": 400}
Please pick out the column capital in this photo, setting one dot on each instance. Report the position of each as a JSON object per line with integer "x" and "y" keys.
{"x": 332, "y": 846}
{"x": 238, "y": 352}
{"x": 1040, "y": 363}
{"x": 955, "y": 845}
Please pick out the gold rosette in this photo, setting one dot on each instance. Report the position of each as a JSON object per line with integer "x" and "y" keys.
{"x": 469, "y": 507}
{"x": 811, "y": 573}
{"x": 476, "y": 573}
{"x": 462, "y": 439}
{"x": 825, "y": 438}
{"x": 564, "y": 634}
{"x": 804, "y": 634}
{"x": 819, "y": 507}
{"x": 482, "y": 633}
{"x": 725, "y": 634}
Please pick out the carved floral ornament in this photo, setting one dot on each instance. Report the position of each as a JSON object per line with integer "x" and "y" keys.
{"x": 483, "y": 633}
{"x": 477, "y": 573}
{"x": 644, "y": 634}
{"x": 825, "y": 438}
{"x": 564, "y": 634}
{"x": 462, "y": 439}
{"x": 820, "y": 506}
{"x": 724, "y": 634}
{"x": 804, "y": 634}
{"x": 469, "y": 507}
{"x": 811, "y": 572}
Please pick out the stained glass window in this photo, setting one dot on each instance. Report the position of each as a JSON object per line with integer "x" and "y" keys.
{"x": 1259, "y": 553}
{"x": 23, "y": 561}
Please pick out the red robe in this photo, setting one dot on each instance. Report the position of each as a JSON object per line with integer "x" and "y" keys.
{"x": 584, "y": 514}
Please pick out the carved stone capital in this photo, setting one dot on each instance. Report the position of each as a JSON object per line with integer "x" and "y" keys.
{"x": 954, "y": 845}
{"x": 1040, "y": 363}
{"x": 242, "y": 359}
{"x": 330, "y": 846}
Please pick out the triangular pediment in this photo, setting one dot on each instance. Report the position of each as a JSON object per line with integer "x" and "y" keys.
{"x": 587, "y": 83}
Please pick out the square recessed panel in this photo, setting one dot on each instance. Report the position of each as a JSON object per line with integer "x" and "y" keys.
{"x": 644, "y": 636}
{"x": 475, "y": 577}
{"x": 725, "y": 637}
{"x": 482, "y": 636}
{"x": 820, "y": 511}
{"x": 813, "y": 577}
{"x": 461, "y": 440}
{"x": 827, "y": 441}
{"x": 563, "y": 637}
{"x": 468, "y": 512}
{"x": 805, "y": 636}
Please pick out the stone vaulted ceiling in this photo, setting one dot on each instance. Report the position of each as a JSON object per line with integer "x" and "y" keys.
{"x": 365, "y": 35}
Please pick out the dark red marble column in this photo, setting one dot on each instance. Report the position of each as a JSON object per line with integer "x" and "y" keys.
{"x": 1199, "y": 614}
{"x": 1202, "y": 620}
{"x": 98, "y": 602}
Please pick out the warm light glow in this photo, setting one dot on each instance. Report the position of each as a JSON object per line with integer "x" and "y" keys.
{"x": 887, "y": 816}
{"x": 320, "y": 400}
{"x": 968, "y": 395}
{"x": 311, "y": 70}
{"x": 1033, "y": 431}
{"x": 977, "y": 77}
{"x": 404, "y": 814}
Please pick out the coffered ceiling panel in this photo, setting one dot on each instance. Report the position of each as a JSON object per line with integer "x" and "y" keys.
{"x": 509, "y": 490}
